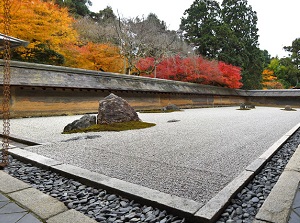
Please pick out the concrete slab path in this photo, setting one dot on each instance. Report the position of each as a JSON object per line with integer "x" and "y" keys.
{"x": 19, "y": 203}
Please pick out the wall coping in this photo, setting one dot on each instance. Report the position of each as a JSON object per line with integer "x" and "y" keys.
{"x": 41, "y": 75}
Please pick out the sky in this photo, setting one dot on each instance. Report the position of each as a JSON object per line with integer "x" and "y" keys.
{"x": 278, "y": 20}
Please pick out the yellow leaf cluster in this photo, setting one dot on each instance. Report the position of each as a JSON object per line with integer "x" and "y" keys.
{"x": 37, "y": 21}
{"x": 92, "y": 56}
{"x": 43, "y": 22}
{"x": 270, "y": 80}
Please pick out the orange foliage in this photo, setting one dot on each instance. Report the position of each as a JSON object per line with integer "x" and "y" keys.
{"x": 40, "y": 22}
{"x": 104, "y": 57}
{"x": 43, "y": 22}
{"x": 270, "y": 80}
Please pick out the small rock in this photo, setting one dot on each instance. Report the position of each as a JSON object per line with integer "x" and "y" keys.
{"x": 130, "y": 215}
{"x": 111, "y": 197}
{"x": 147, "y": 210}
{"x": 246, "y": 215}
{"x": 173, "y": 120}
{"x": 239, "y": 211}
{"x": 255, "y": 200}
{"x": 124, "y": 204}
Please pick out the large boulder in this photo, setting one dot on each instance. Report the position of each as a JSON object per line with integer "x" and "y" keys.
{"x": 114, "y": 109}
{"x": 84, "y": 122}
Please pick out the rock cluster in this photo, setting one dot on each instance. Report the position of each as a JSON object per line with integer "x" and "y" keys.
{"x": 246, "y": 204}
{"x": 97, "y": 203}
{"x": 114, "y": 109}
{"x": 244, "y": 106}
{"x": 84, "y": 122}
{"x": 171, "y": 107}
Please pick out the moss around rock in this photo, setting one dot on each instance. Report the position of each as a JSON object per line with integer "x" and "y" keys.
{"x": 122, "y": 126}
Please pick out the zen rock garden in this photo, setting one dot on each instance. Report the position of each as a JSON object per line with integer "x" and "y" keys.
{"x": 112, "y": 110}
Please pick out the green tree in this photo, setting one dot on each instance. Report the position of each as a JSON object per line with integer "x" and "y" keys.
{"x": 76, "y": 7}
{"x": 289, "y": 75}
{"x": 200, "y": 25}
{"x": 242, "y": 20}
{"x": 106, "y": 16}
{"x": 155, "y": 21}
{"x": 284, "y": 70}
{"x": 279, "y": 71}
{"x": 227, "y": 33}
{"x": 294, "y": 50}
{"x": 266, "y": 58}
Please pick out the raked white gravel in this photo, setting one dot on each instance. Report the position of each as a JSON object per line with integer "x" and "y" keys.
{"x": 193, "y": 158}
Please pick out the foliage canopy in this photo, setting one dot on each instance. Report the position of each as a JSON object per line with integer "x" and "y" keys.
{"x": 227, "y": 33}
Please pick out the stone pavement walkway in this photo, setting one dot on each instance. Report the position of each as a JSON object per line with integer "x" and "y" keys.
{"x": 295, "y": 210}
{"x": 20, "y": 203}
{"x": 10, "y": 212}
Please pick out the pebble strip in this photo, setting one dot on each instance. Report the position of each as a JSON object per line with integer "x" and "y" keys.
{"x": 98, "y": 204}
{"x": 245, "y": 205}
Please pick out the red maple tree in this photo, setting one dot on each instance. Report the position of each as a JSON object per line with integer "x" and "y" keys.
{"x": 194, "y": 69}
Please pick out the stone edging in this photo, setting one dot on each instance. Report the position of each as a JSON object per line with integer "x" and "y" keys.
{"x": 278, "y": 204}
{"x": 175, "y": 204}
{"x": 192, "y": 210}
{"x": 211, "y": 210}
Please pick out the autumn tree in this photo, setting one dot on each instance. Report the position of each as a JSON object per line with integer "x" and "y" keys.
{"x": 93, "y": 56}
{"x": 269, "y": 80}
{"x": 194, "y": 69}
{"x": 231, "y": 75}
{"x": 163, "y": 43}
{"x": 136, "y": 37}
{"x": 46, "y": 26}
{"x": 283, "y": 70}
